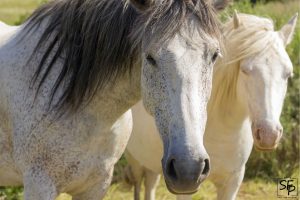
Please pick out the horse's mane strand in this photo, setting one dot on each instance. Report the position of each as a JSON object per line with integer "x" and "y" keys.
{"x": 99, "y": 40}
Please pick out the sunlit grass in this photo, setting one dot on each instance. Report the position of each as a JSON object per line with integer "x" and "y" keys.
{"x": 250, "y": 190}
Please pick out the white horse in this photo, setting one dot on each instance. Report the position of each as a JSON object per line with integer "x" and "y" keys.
{"x": 69, "y": 75}
{"x": 249, "y": 86}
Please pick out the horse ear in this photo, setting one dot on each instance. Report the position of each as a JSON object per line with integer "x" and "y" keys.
{"x": 220, "y": 5}
{"x": 141, "y": 5}
{"x": 236, "y": 20}
{"x": 287, "y": 31}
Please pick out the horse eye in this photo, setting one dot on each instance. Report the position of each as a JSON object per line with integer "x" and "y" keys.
{"x": 215, "y": 56}
{"x": 151, "y": 60}
{"x": 245, "y": 70}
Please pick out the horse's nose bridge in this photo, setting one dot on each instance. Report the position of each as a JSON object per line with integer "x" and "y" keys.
{"x": 186, "y": 147}
{"x": 186, "y": 141}
{"x": 272, "y": 104}
{"x": 268, "y": 124}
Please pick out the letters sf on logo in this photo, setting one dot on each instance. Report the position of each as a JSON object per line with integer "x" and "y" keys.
{"x": 287, "y": 187}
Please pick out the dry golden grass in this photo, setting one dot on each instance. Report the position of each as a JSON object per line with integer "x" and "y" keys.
{"x": 250, "y": 190}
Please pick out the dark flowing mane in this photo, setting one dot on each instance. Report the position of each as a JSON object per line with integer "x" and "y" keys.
{"x": 99, "y": 40}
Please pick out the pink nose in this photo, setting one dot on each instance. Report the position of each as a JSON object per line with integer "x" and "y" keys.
{"x": 266, "y": 134}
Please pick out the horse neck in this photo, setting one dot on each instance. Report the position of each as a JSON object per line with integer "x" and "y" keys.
{"x": 116, "y": 99}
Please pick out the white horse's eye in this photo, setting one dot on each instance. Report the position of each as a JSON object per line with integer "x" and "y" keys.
{"x": 151, "y": 60}
{"x": 246, "y": 70}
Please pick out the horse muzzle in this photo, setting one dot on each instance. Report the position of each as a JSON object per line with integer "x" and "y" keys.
{"x": 266, "y": 134}
{"x": 183, "y": 175}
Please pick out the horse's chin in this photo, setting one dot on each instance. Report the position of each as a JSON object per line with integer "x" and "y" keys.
{"x": 173, "y": 191}
{"x": 269, "y": 149}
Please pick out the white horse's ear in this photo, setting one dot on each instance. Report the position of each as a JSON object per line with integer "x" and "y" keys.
{"x": 141, "y": 5}
{"x": 220, "y": 5}
{"x": 287, "y": 31}
{"x": 236, "y": 20}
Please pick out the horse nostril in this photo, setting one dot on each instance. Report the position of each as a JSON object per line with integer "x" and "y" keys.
{"x": 206, "y": 167}
{"x": 258, "y": 132}
{"x": 280, "y": 129}
{"x": 171, "y": 171}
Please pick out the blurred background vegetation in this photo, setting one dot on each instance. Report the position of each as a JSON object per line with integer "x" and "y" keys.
{"x": 262, "y": 168}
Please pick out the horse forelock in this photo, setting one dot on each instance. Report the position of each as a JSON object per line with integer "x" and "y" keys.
{"x": 99, "y": 40}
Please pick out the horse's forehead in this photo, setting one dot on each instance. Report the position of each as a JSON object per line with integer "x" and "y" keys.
{"x": 274, "y": 56}
{"x": 181, "y": 45}
{"x": 196, "y": 42}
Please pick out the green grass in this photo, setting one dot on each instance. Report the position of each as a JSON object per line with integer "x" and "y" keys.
{"x": 11, "y": 11}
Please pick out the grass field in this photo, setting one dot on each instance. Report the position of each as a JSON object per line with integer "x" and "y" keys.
{"x": 256, "y": 189}
{"x": 13, "y": 11}
{"x": 250, "y": 190}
